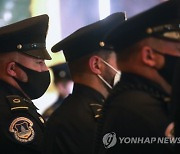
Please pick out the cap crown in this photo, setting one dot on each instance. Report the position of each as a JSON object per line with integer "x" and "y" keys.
{"x": 88, "y": 39}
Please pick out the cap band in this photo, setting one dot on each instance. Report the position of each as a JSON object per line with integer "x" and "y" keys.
{"x": 162, "y": 28}
{"x": 172, "y": 35}
{"x": 31, "y": 46}
{"x": 167, "y": 31}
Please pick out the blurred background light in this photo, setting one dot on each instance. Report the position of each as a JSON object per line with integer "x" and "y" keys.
{"x": 7, "y": 16}
{"x": 9, "y": 5}
{"x": 104, "y": 8}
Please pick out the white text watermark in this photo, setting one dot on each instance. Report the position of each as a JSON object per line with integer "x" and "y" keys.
{"x": 110, "y": 140}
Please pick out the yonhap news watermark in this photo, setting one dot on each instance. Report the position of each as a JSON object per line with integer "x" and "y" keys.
{"x": 111, "y": 139}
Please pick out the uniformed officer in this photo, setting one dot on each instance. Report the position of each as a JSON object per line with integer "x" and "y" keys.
{"x": 176, "y": 104}
{"x": 63, "y": 84}
{"x": 136, "y": 115}
{"x": 72, "y": 127}
{"x": 23, "y": 76}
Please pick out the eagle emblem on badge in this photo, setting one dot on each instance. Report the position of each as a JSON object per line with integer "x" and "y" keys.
{"x": 22, "y": 129}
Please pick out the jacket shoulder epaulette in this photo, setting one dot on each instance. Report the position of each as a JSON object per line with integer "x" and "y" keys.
{"x": 17, "y": 102}
{"x": 96, "y": 109}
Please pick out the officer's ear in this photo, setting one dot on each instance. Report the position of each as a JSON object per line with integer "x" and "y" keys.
{"x": 148, "y": 57}
{"x": 95, "y": 64}
{"x": 14, "y": 71}
{"x": 11, "y": 69}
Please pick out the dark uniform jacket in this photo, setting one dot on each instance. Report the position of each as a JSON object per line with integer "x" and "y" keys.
{"x": 48, "y": 112}
{"x": 176, "y": 103}
{"x": 71, "y": 128}
{"x": 21, "y": 127}
{"x": 137, "y": 107}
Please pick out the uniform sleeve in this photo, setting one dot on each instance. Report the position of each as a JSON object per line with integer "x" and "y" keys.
{"x": 22, "y": 133}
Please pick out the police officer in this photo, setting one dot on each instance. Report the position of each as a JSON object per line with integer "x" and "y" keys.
{"x": 137, "y": 115}
{"x": 63, "y": 84}
{"x": 23, "y": 76}
{"x": 176, "y": 104}
{"x": 72, "y": 127}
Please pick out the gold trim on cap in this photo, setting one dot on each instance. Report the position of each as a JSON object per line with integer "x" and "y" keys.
{"x": 164, "y": 28}
{"x": 172, "y": 35}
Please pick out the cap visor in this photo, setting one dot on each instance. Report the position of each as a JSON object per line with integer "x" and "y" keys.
{"x": 39, "y": 53}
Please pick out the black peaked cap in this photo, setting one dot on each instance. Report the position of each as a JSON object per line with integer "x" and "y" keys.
{"x": 161, "y": 21}
{"x": 88, "y": 39}
{"x": 27, "y": 36}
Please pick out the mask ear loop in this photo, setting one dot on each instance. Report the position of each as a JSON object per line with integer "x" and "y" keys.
{"x": 110, "y": 66}
{"x": 104, "y": 81}
{"x": 118, "y": 72}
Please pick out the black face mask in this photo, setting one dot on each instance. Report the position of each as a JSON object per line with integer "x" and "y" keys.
{"x": 168, "y": 69}
{"x": 37, "y": 83}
